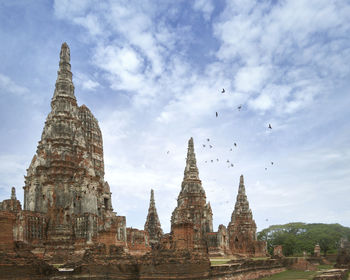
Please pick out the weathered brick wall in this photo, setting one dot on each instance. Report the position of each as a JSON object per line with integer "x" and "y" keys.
{"x": 182, "y": 236}
{"x": 7, "y": 221}
{"x": 137, "y": 241}
{"x": 245, "y": 270}
{"x": 115, "y": 235}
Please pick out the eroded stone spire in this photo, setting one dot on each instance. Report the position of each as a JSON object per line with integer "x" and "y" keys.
{"x": 152, "y": 225}
{"x": 192, "y": 212}
{"x": 242, "y": 204}
{"x": 13, "y": 193}
{"x": 152, "y": 203}
{"x": 191, "y": 170}
{"x": 64, "y": 84}
{"x": 242, "y": 227}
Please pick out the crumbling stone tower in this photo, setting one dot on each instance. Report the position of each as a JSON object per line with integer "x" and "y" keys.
{"x": 192, "y": 219}
{"x": 152, "y": 225}
{"x": 242, "y": 228}
{"x": 65, "y": 179}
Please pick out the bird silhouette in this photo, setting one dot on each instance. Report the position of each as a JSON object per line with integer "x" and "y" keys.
{"x": 270, "y": 127}
{"x": 208, "y": 139}
{"x": 271, "y": 162}
{"x": 203, "y": 145}
{"x": 217, "y": 159}
{"x": 216, "y": 114}
{"x": 231, "y": 164}
{"x": 239, "y": 107}
{"x": 227, "y": 161}
{"x": 231, "y": 149}
{"x": 223, "y": 90}
{"x": 211, "y": 160}
{"x": 210, "y": 146}
{"x": 235, "y": 144}
{"x": 265, "y": 168}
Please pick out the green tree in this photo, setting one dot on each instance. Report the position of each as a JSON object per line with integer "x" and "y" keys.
{"x": 298, "y": 237}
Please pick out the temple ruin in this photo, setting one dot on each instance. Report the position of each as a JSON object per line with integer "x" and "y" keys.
{"x": 68, "y": 215}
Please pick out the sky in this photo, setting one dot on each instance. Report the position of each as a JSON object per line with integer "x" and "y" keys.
{"x": 152, "y": 73}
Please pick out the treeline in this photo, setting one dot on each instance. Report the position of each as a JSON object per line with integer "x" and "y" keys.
{"x": 299, "y": 237}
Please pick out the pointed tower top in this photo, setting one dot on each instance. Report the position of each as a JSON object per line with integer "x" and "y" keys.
{"x": 65, "y": 53}
{"x": 241, "y": 180}
{"x": 13, "y": 193}
{"x": 191, "y": 170}
{"x": 64, "y": 84}
{"x": 241, "y": 188}
{"x": 152, "y": 202}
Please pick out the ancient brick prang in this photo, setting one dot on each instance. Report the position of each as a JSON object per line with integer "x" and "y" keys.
{"x": 65, "y": 179}
{"x": 192, "y": 219}
{"x": 152, "y": 225}
{"x": 242, "y": 227}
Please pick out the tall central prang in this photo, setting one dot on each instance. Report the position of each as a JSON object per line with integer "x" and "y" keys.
{"x": 65, "y": 179}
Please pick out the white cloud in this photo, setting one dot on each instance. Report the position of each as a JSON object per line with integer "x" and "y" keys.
{"x": 8, "y": 85}
{"x": 206, "y": 7}
{"x": 71, "y": 8}
{"x": 85, "y": 82}
{"x": 251, "y": 79}
{"x": 91, "y": 23}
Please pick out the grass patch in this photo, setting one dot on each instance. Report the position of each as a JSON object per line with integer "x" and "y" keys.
{"x": 292, "y": 275}
{"x": 57, "y": 265}
{"x": 218, "y": 261}
{"x": 325, "y": 266}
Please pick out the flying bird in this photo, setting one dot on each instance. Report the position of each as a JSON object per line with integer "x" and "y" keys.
{"x": 208, "y": 139}
{"x": 216, "y": 113}
{"x": 203, "y": 145}
{"x": 210, "y": 146}
{"x": 239, "y": 107}
{"x": 227, "y": 161}
{"x": 223, "y": 90}
{"x": 231, "y": 164}
{"x": 231, "y": 149}
{"x": 211, "y": 160}
{"x": 235, "y": 144}
{"x": 270, "y": 127}
{"x": 271, "y": 162}
{"x": 265, "y": 168}
{"x": 217, "y": 159}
